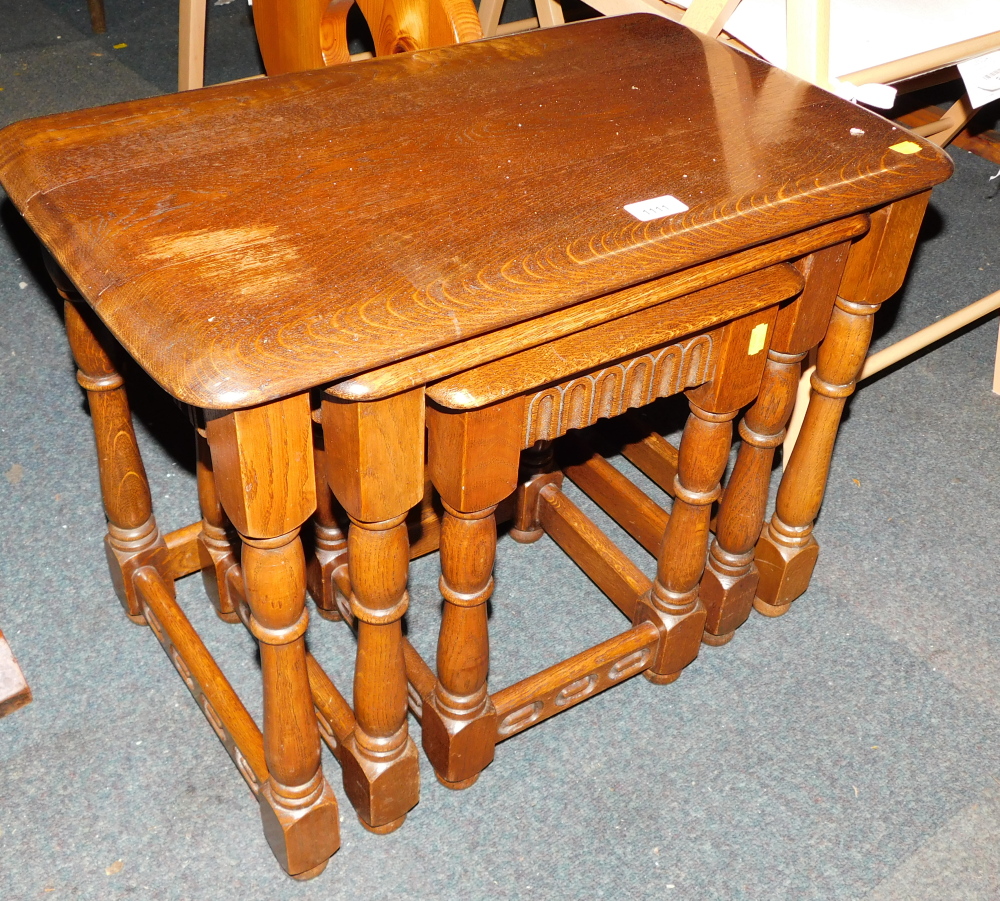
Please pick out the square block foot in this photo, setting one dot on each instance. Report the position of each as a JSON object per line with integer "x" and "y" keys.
{"x": 381, "y": 791}
{"x": 784, "y": 571}
{"x": 680, "y": 638}
{"x": 459, "y": 750}
{"x": 727, "y": 599}
{"x": 303, "y": 839}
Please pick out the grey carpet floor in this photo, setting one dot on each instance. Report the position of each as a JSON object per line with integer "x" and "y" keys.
{"x": 849, "y": 750}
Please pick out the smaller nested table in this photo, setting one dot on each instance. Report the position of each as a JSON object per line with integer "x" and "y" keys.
{"x": 384, "y": 226}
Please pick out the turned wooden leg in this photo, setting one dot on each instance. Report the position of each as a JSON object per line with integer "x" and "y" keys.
{"x": 380, "y": 766}
{"x": 264, "y": 474}
{"x": 375, "y": 468}
{"x": 133, "y": 539}
{"x": 875, "y": 268}
{"x": 98, "y": 23}
{"x": 731, "y": 575}
{"x": 473, "y": 461}
{"x": 730, "y": 581}
{"x": 538, "y": 469}
{"x": 214, "y": 548}
{"x": 787, "y": 551}
{"x": 459, "y": 721}
{"x": 330, "y": 546}
{"x": 673, "y": 604}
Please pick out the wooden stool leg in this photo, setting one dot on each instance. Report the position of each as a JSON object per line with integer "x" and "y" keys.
{"x": 191, "y": 44}
{"x": 214, "y": 548}
{"x": 875, "y": 269}
{"x": 133, "y": 539}
{"x": 264, "y": 473}
{"x": 787, "y": 551}
{"x": 672, "y": 604}
{"x": 375, "y": 468}
{"x": 731, "y": 576}
{"x": 380, "y": 763}
{"x": 730, "y": 581}
{"x": 489, "y": 16}
{"x": 459, "y": 720}
{"x": 538, "y": 469}
{"x": 330, "y": 546}
{"x": 473, "y": 461}
{"x": 98, "y": 24}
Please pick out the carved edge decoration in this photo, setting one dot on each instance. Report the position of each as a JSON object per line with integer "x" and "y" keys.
{"x": 551, "y": 700}
{"x": 253, "y": 780}
{"x": 414, "y": 701}
{"x": 326, "y": 732}
{"x": 612, "y": 390}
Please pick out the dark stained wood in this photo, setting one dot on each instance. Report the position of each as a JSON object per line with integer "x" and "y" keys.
{"x": 536, "y": 142}
{"x": 617, "y": 340}
{"x": 636, "y": 513}
{"x": 673, "y": 603}
{"x": 133, "y": 538}
{"x": 473, "y": 459}
{"x": 458, "y": 720}
{"x": 617, "y": 576}
{"x": 183, "y": 554}
{"x": 329, "y": 543}
{"x": 652, "y": 454}
{"x": 355, "y": 448}
{"x": 374, "y": 460}
{"x": 97, "y": 21}
{"x": 446, "y": 215}
{"x": 333, "y": 714}
{"x": 262, "y": 460}
{"x": 731, "y": 576}
{"x": 201, "y": 674}
{"x": 802, "y": 324}
{"x": 876, "y": 265}
{"x": 574, "y": 680}
{"x": 538, "y": 469}
{"x": 458, "y": 357}
{"x": 420, "y": 677}
{"x": 215, "y": 551}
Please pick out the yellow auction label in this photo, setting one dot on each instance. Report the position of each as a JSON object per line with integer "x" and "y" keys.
{"x": 758, "y": 337}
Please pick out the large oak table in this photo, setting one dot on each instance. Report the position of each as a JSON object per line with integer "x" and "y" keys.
{"x": 378, "y": 228}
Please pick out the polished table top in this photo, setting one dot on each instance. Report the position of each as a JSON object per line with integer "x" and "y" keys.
{"x": 252, "y": 240}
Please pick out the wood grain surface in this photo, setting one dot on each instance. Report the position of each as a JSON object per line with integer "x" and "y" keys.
{"x": 367, "y": 212}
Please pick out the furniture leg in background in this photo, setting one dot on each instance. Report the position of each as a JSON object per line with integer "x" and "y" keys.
{"x": 191, "y": 44}
{"x": 97, "y": 22}
{"x": 133, "y": 539}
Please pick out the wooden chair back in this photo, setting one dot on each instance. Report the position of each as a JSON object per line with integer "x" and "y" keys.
{"x": 296, "y": 35}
